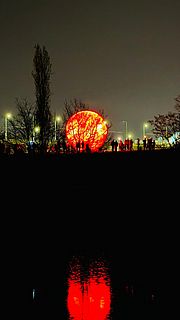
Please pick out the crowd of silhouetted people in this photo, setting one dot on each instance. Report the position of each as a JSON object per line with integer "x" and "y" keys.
{"x": 33, "y": 148}
{"x": 62, "y": 147}
{"x": 128, "y": 144}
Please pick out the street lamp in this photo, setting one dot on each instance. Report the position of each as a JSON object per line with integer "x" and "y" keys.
{"x": 124, "y": 121}
{"x": 145, "y": 125}
{"x": 56, "y": 120}
{"x": 6, "y": 118}
{"x": 36, "y": 130}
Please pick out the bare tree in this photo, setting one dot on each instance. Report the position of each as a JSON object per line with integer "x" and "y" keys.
{"x": 164, "y": 126}
{"x": 21, "y": 126}
{"x": 72, "y": 107}
{"x": 41, "y": 74}
{"x": 168, "y": 125}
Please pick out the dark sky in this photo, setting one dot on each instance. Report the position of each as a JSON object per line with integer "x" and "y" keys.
{"x": 122, "y": 56}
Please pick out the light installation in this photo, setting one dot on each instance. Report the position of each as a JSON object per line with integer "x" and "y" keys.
{"x": 86, "y": 131}
{"x": 89, "y": 297}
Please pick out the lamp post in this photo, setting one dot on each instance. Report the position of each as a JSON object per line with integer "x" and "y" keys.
{"x": 56, "y": 120}
{"x": 124, "y": 121}
{"x": 145, "y": 125}
{"x": 7, "y": 116}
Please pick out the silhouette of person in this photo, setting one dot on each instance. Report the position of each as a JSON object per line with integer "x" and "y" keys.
{"x": 78, "y": 146}
{"x": 144, "y": 143}
{"x": 113, "y": 145}
{"x": 82, "y": 144}
{"x": 149, "y": 144}
{"x": 130, "y": 144}
{"x": 88, "y": 150}
{"x": 121, "y": 145}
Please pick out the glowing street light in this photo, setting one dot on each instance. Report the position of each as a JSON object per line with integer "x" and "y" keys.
{"x": 6, "y": 118}
{"x": 36, "y": 131}
{"x": 145, "y": 125}
{"x": 56, "y": 120}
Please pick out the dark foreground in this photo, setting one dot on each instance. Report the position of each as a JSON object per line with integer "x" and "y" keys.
{"x": 122, "y": 207}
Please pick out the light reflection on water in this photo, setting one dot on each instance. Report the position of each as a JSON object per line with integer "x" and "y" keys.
{"x": 89, "y": 290}
{"x": 92, "y": 288}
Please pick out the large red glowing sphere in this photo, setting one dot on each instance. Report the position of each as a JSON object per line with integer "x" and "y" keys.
{"x": 86, "y": 130}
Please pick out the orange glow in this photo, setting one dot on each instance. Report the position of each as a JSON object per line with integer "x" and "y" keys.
{"x": 86, "y": 128}
{"x": 90, "y": 298}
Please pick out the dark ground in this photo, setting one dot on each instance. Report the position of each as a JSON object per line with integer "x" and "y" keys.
{"x": 123, "y": 206}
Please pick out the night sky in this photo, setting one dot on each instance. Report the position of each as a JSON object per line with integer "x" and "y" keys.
{"x": 120, "y": 56}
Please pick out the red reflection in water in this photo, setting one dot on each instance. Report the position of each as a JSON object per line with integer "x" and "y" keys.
{"x": 90, "y": 299}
